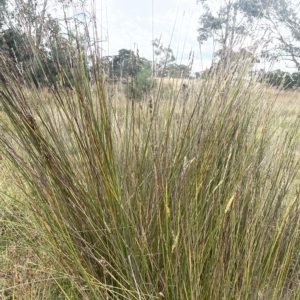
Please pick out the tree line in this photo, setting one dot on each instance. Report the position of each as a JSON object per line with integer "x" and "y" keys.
{"x": 38, "y": 45}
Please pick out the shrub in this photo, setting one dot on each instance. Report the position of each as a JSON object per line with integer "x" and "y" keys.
{"x": 142, "y": 83}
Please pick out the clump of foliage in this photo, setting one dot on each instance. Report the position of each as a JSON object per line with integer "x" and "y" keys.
{"x": 143, "y": 82}
{"x": 152, "y": 200}
{"x": 130, "y": 69}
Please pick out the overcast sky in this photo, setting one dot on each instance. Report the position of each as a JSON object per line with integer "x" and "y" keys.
{"x": 133, "y": 24}
{"x": 130, "y": 24}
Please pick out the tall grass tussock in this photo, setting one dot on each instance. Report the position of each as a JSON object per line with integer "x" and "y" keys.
{"x": 185, "y": 195}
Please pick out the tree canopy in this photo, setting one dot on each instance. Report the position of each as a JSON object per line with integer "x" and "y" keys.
{"x": 270, "y": 26}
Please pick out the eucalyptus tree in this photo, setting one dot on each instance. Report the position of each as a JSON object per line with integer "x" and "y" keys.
{"x": 283, "y": 21}
{"x": 38, "y": 38}
{"x": 272, "y": 26}
{"x": 31, "y": 17}
{"x": 228, "y": 23}
{"x": 164, "y": 58}
{"x": 3, "y": 8}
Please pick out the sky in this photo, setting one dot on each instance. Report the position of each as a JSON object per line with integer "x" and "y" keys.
{"x": 133, "y": 24}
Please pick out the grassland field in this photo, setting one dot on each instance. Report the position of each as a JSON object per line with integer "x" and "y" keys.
{"x": 20, "y": 268}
